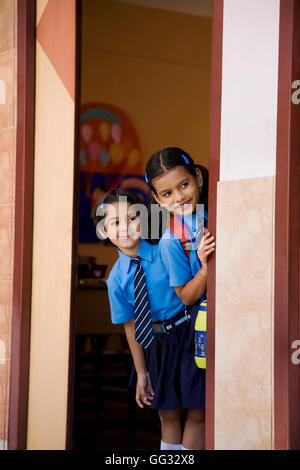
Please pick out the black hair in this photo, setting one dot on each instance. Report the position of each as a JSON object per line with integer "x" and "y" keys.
{"x": 169, "y": 158}
{"x": 166, "y": 159}
{"x": 115, "y": 195}
{"x": 160, "y": 162}
{"x": 204, "y": 192}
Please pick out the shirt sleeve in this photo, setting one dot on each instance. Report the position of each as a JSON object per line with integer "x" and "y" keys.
{"x": 120, "y": 309}
{"x": 175, "y": 261}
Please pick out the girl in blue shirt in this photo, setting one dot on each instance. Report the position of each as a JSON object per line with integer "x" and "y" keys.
{"x": 161, "y": 375}
{"x": 176, "y": 184}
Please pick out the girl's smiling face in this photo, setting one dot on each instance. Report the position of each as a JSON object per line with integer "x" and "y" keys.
{"x": 177, "y": 190}
{"x": 122, "y": 226}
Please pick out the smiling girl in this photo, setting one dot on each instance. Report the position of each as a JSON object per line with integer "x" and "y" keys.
{"x": 176, "y": 184}
{"x": 140, "y": 290}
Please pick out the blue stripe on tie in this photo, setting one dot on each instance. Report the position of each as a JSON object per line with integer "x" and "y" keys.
{"x": 141, "y": 292}
{"x": 148, "y": 344}
{"x": 139, "y": 281}
{"x": 141, "y": 301}
{"x": 140, "y": 323}
{"x": 143, "y": 320}
{"x": 139, "y": 314}
{"x": 144, "y": 330}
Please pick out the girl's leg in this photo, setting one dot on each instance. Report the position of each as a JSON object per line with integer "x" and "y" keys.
{"x": 171, "y": 426}
{"x": 194, "y": 430}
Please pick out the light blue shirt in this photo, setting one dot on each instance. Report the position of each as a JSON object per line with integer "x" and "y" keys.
{"x": 172, "y": 249}
{"x": 180, "y": 267}
{"x": 164, "y": 302}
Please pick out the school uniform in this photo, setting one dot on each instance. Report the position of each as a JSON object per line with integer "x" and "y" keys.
{"x": 168, "y": 358}
{"x": 174, "y": 255}
{"x": 182, "y": 269}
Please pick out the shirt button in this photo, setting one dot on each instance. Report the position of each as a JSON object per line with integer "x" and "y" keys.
{"x": 150, "y": 291}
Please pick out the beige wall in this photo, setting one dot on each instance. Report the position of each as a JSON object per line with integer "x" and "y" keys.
{"x": 244, "y": 314}
{"x": 155, "y": 66}
{"x": 8, "y": 55}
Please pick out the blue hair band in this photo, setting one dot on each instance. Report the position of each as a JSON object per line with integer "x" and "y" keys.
{"x": 185, "y": 159}
{"x": 146, "y": 178}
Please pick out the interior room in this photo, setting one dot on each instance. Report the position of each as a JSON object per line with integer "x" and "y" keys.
{"x": 145, "y": 85}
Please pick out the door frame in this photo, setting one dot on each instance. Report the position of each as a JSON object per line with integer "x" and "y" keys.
{"x": 287, "y": 235}
{"x": 72, "y": 337}
{"x": 214, "y": 176}
{"x": 214, "y": 165}
{"x": 23, "y": 231}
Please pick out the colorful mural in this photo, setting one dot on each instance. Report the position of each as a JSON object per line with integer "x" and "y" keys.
{"x": 110, "y": 157}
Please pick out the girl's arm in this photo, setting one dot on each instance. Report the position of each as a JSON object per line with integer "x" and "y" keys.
{"x": 195, "y": 288}
{"x": 144, "y": 391}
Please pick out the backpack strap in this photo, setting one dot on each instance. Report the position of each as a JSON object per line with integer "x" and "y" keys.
{"x": 179, "y": 230}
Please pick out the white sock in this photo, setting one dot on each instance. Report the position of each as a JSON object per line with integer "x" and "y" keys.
{"x": 166, "y": 446}
{"x": 184, "y": 448}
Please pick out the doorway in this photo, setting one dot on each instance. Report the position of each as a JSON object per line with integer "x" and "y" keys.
{"x": 145, "y": 85}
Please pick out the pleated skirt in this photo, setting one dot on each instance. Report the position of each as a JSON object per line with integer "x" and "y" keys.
{"x": 176, "y": 380}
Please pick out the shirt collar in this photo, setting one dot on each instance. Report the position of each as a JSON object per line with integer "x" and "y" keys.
{"x": 144, "y": 251}
{"x": 192, "y": 220}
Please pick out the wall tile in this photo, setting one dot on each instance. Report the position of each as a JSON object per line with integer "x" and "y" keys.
{"x": 244, "y": 314}
{"x": 7, "y": 166}
{"x": 6, "y": 242}
{"x": 243, "y": 332}
{"x": 7, "y": 90}
{"x": 244, "y": 229}
{"x": 7, "y": 25}
{"x": 243, "y": 417}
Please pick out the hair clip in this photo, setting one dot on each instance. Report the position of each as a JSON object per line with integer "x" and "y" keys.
{"x": 146, "y": 178}
{"x": 185, "y": 159}
{"x": 100, "y": 208}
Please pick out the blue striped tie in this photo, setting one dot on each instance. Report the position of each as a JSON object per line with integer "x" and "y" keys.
{"x": 143, "y": 323}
